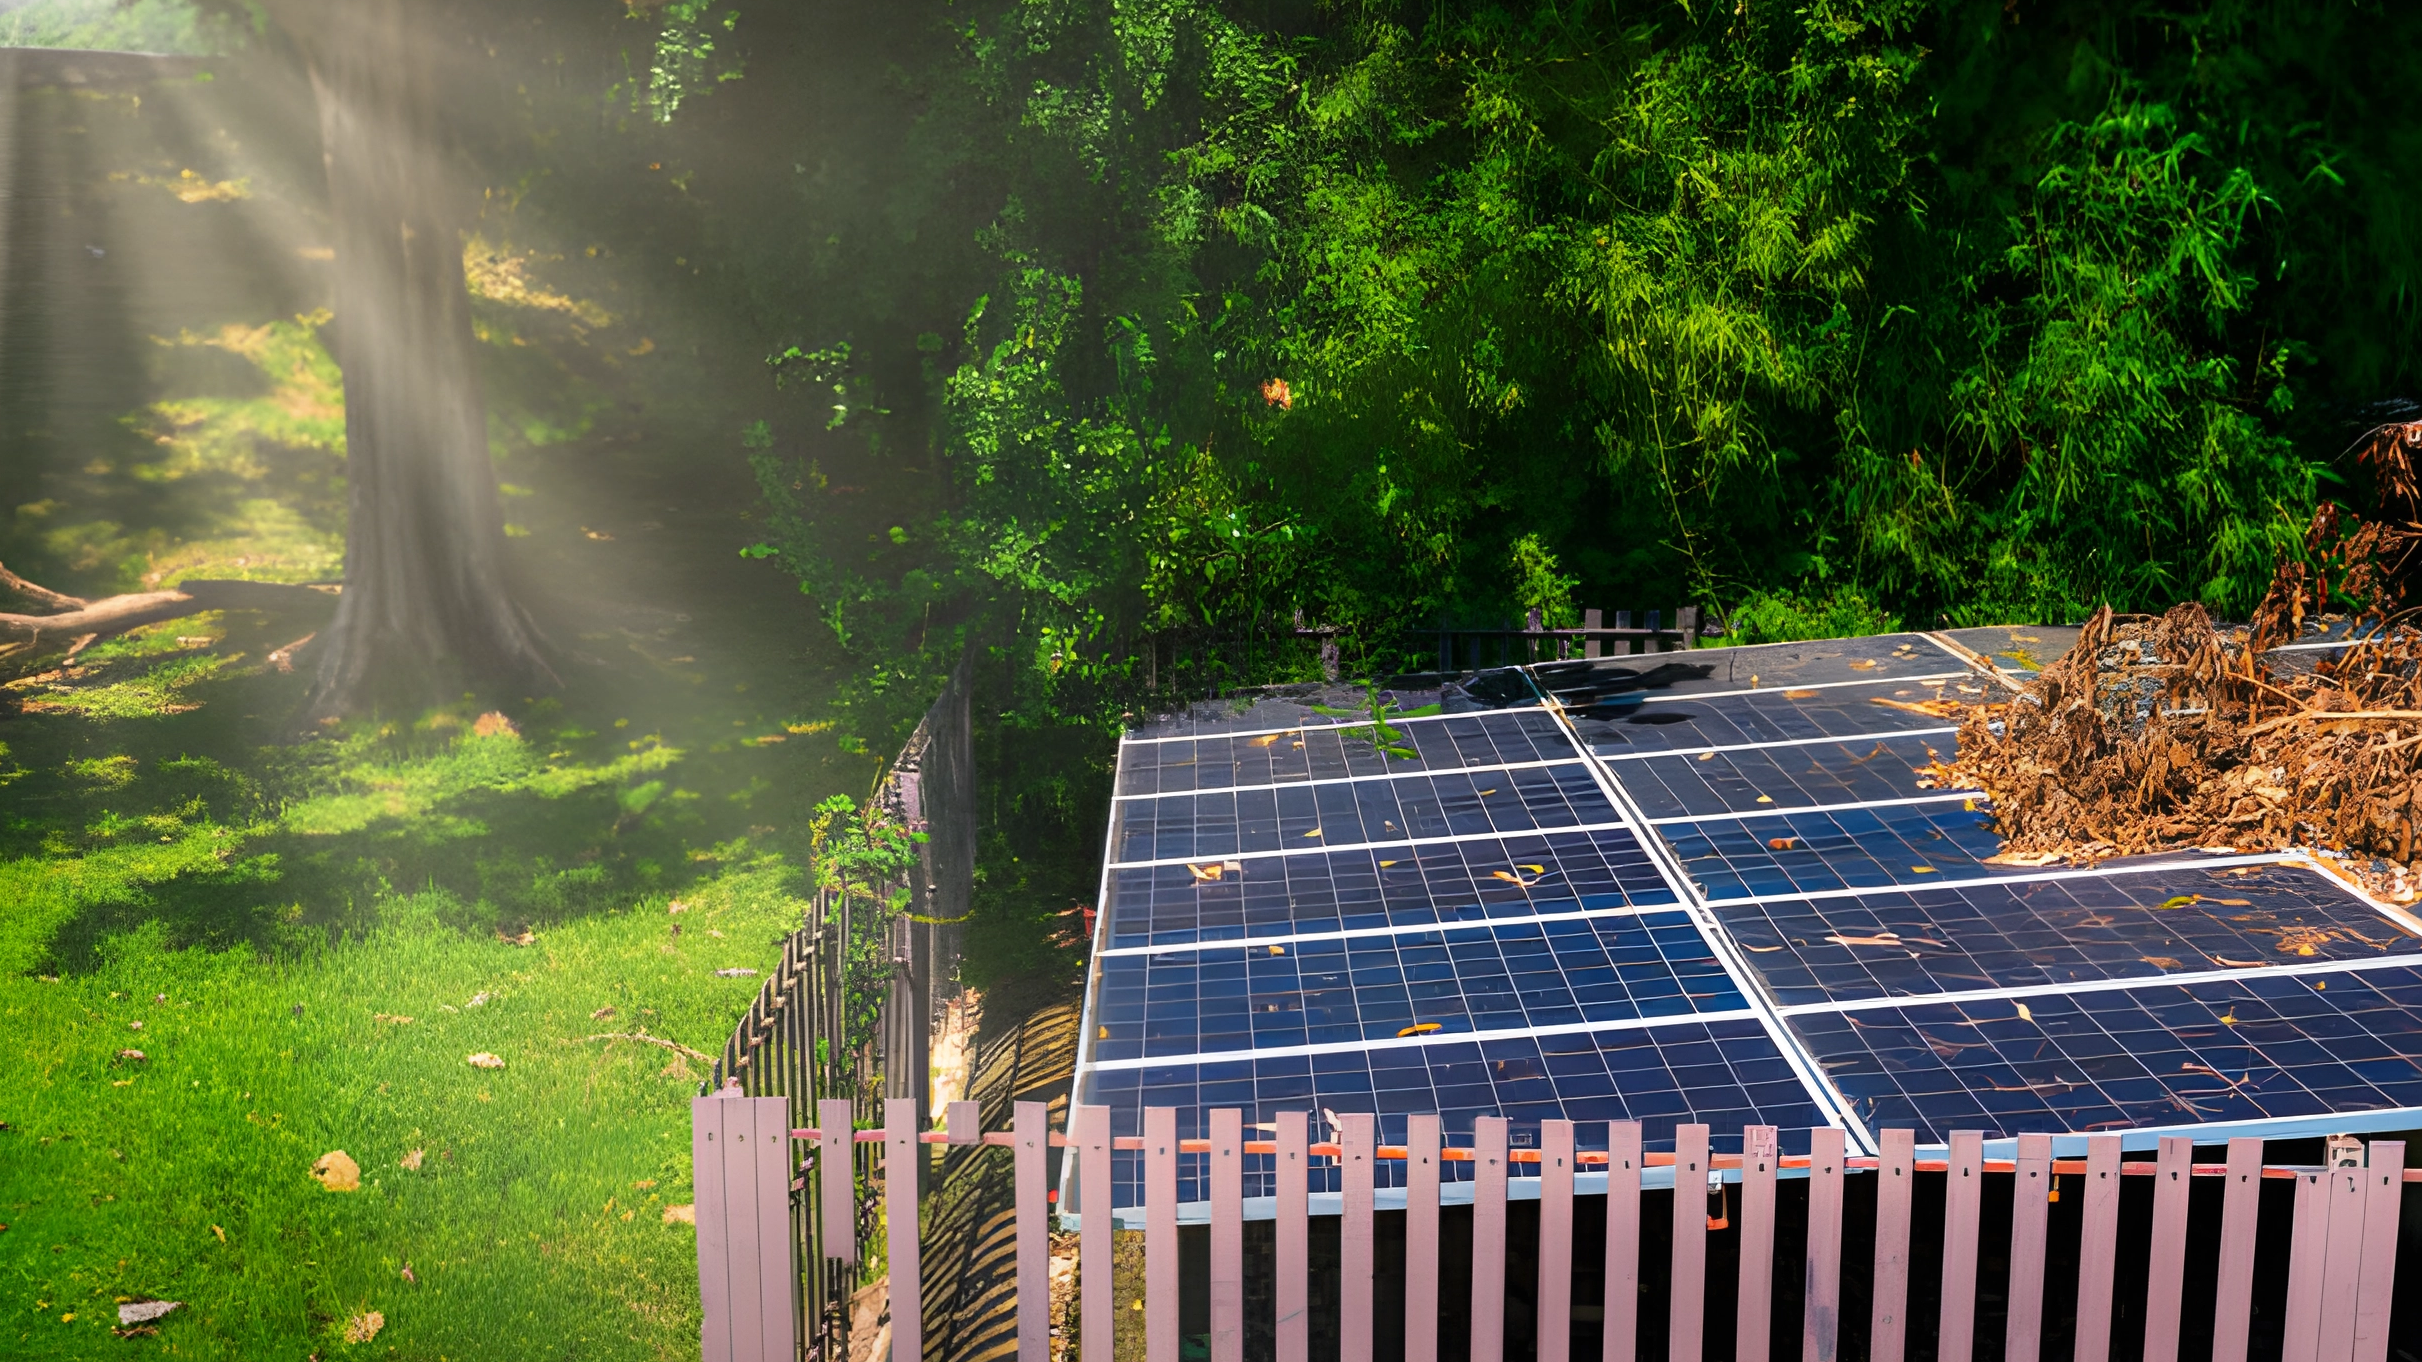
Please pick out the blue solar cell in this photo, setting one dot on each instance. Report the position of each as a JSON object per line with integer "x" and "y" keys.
{"x": 1316, "y": 752}
{"x": 1725, "y": 1074}
{"x": 1521, "y": 876}
{"x": 1672, "y": 785}
{"x": 1305, "y": 818}
{"x": 1511, "y": 976}
{"x": 1906, "y": 844}
{"x": 2258, "y": 1047}
{"x": 2087, "y": 929}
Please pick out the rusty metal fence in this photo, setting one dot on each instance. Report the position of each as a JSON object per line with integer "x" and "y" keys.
{"x": 2341, "y": 1247}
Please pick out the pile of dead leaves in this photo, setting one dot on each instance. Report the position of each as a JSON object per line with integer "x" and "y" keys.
{"x": 2162, "y": 732}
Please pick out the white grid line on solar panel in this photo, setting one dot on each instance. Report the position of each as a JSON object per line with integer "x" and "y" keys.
{"x": 1101, "y": 932}
{"x": 1367, "y": 846}
{"x": 2021, "y": 877}
{"x": 1920, "y": 943}
{"x": 1821, "y": 1094}
{"x": 1353, "y": 780}
{"x": 1780, "y": 742}
{"x": 1456, "y": 980}
{"x": 1364, "y": 722}
{"x": 1391, "y": 929}
{"x": 1215, "y": 823}
{"x": 1736, "y": 814}
{"x": 1785, "y": 690}
{"x": 1431, "y": 1038}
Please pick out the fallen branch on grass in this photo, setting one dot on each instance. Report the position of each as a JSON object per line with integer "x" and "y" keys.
{"x": 86, "y": 620}
{"x": 646, "y": 1039}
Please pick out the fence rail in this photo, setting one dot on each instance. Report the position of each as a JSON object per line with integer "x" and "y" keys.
{"x": 1460, "y": 648}
{"x": 2341, "y": 1253}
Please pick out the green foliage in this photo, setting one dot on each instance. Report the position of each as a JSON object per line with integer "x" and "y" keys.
{"x": 1788, "y": 616}
{"x": 1381, "y": 316}
{"x": 118, "y": 26}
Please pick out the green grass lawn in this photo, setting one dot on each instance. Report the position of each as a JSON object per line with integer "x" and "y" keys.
{"x": 535, "y": 1219}
{"x": 306, "y": 936}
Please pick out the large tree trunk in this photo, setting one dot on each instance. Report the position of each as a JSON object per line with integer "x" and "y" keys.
{"x": 425, "y": 606}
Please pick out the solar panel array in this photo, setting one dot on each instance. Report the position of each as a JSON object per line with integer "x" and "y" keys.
{"x": 1722, "y": 887}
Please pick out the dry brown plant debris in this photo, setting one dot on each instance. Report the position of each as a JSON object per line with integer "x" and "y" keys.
{"x": 2157, "y": 733}
{"x": 2160, "y": 733}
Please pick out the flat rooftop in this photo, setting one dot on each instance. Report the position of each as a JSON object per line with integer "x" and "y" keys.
{"x": 1713, "y": 886}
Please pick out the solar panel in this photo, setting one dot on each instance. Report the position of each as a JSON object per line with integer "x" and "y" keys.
{"x": 1467, "y": 879}
{"x": 1311, "y": 815}
{"x": 1718, "y": 886}
{"x": 1681, "y": 785}
{"x": 1384, "y": 986}
{"x": 2024, "y": 932}
{"x": 2260, "y": 1050}
{"x": 1321, "y": 750}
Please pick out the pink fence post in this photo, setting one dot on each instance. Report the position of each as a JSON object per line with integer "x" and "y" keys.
{"x": 2166, "y": 1263}
{"x": 1097, "y": 1291}
{"x": 1895, "y": 1177}
{"x": 963, "y": 1123}
{"x": 2233, "y": 1291}
{"x": 1227, "y": 1235}
{"x": 1753, "y": 1306}
{"x": 1686, "y": 1305}
{"x": 2301, "y": 1330}
{"x": 1031, "y": 1173}
{"x": 2098, "y": 1248}
{"x": 1421, "y": 1239}
{"x": 2030, "y": 1232}
{"x": 1622, "y": 1328}
{"x": 2384, "y": 1184}
{"x": 710, "y": 1194}
{"x": 1963, "y": 1206}
{"x": 1555, "y": 1241}
{"x": 1160, "y": 1234}
{"x": 1488, "y": 1239}
{"x": 901, "y": 1154}
{"x": 1821, "y": 1312}
{"x": 1294, "y": 1256}
{"x": 2342, "y": 1265}
{"x": 1358, "y": 1265}
{"x": 837, "y": 1178}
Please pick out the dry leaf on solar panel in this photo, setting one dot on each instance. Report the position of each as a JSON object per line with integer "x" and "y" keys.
{"x": 1933, "y": 709}
{"x": 1862, "y": 663}
{"x": 1418, "y": 1029}
{"x": 1782, "y": 843}
{"x": 1265, "y": 741}
{"x": 1799, "y": 695}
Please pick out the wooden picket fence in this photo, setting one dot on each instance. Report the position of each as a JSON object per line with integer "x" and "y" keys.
{"x": 2341, "y": 1275}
